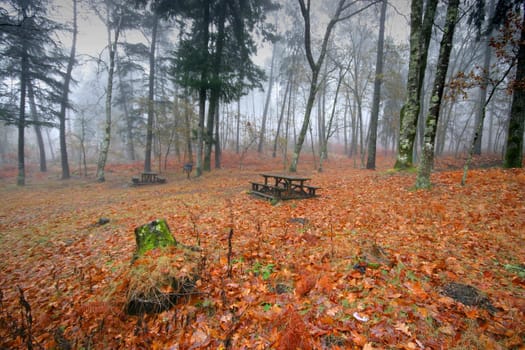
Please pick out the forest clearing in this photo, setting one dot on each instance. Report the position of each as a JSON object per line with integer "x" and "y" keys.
{"x": 366, "y": 264}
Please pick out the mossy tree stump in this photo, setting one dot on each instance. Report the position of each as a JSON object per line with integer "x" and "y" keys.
{"x": 156, "y": 234}
{"x": 162, "y": 271}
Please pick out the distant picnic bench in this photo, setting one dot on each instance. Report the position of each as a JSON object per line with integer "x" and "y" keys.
{"x": 282, "y": 187}
{"x": 148, "y": 178}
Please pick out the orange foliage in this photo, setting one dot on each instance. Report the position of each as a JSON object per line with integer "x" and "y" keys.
{"x": 294, "y": 333}
{"x": 305, "y": 284}
{"x": 369, "y": 246}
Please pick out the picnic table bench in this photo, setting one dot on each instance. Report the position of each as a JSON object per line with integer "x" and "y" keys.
{"x": 282, "y": 186}
{"x": 148, "y": 178}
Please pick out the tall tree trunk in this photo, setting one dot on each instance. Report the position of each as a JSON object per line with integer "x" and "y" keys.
{"x": 215, "y": 88}
{"x": 321, "y": 115}
{"x": 82, "y": 161}
{"x": 328, "y": 130}
{"x": 37, "y": 126}
{"x": 238, "y": 126}
{"x": 200, "y": 130}
{"x": 24, "y": 77}
{"x": 420, "y": 33}
{"x": 480, "y": 113}
{"x": 64, "y": 162}
{"x": 514, "y": 153}
{"x": 104, "y": 149}
{"x": 50, "y": 144}
{"x": 217, "y": 139}
{"x": 151, "y": 94}
{"x": 281, "y": 116}
{"x": 427, "y": 158}
{"x": 130, "y": 147}
{"x": 187, "y": 132}
{"x": 267, "y": 102}
{"x": 203, "y": 90}
{"x": 315, "y": 65}
{"x": 371, "y": 161}
{"x": 290, "y": 113}
{"x": 306, "y": 122}
{"x": 345, "y": 124}
{"x": 360, "y": 150}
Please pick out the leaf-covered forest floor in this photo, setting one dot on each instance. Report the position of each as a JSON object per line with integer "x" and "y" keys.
{"x": 364, "y": 265}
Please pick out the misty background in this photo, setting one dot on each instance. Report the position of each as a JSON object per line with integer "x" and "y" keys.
{"x": 264, "y": 114}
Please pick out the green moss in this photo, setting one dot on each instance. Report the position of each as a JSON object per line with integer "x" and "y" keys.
{"x": 153, "y": 235}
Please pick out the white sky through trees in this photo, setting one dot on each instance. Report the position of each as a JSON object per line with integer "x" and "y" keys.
{"x": 92, "y": 37}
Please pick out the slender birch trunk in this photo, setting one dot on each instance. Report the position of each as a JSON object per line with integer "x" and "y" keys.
{"x": 104, "y": 149}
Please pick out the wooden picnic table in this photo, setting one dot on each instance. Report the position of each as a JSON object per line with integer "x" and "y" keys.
{"x": 283, "y": 186}
{"x": 148, "y": 177}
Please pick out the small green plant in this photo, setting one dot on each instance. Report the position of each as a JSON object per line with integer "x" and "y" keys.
{"x": 239, "y": 260}
{"x": 411, "y": 276}
{"x": 305, "y": 309}
{"x": 373, "y": 265}
{"x": 264, "y": 271}
{"x": 346, "y": 304}
{"x": 266, "y": 306}
{"x": 208, "y": 306}
{"x": 516, "y": 269}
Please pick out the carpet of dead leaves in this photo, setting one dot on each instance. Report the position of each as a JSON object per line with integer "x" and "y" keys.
{"x": 362, "y": 266}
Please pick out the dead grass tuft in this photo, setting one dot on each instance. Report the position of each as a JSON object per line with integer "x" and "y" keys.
{"x": 159, "y": 278}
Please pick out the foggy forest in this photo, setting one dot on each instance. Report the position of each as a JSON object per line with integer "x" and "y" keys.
{"x": 393, "y": 130}
{"x": 151, "y": 93}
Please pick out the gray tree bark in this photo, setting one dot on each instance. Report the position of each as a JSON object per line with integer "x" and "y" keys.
{"x": 328, "y": 131}
{"x": 24, "y": 77}
{"x": 372, "y": 142}
{"x": 420, "y": 33}
{"x": 480, "y": 113}
{"x": 202, "y": 93}
{"x": 104, "y": 149}
{"x": 315, "y": 65}
{"x": 267, "y": 102}
{"x": 427, "y": 157}
{"x": 238, "y": 126}
{"x": 151, "y": 95}
{"x": 130, "y": 146}
{"x": 281, "y": 116}
{"x": 215, "y": 89}
{"x": 64, "y": 162}
{"x": 514, "y": 152}
{"x": 37, "y": 127}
